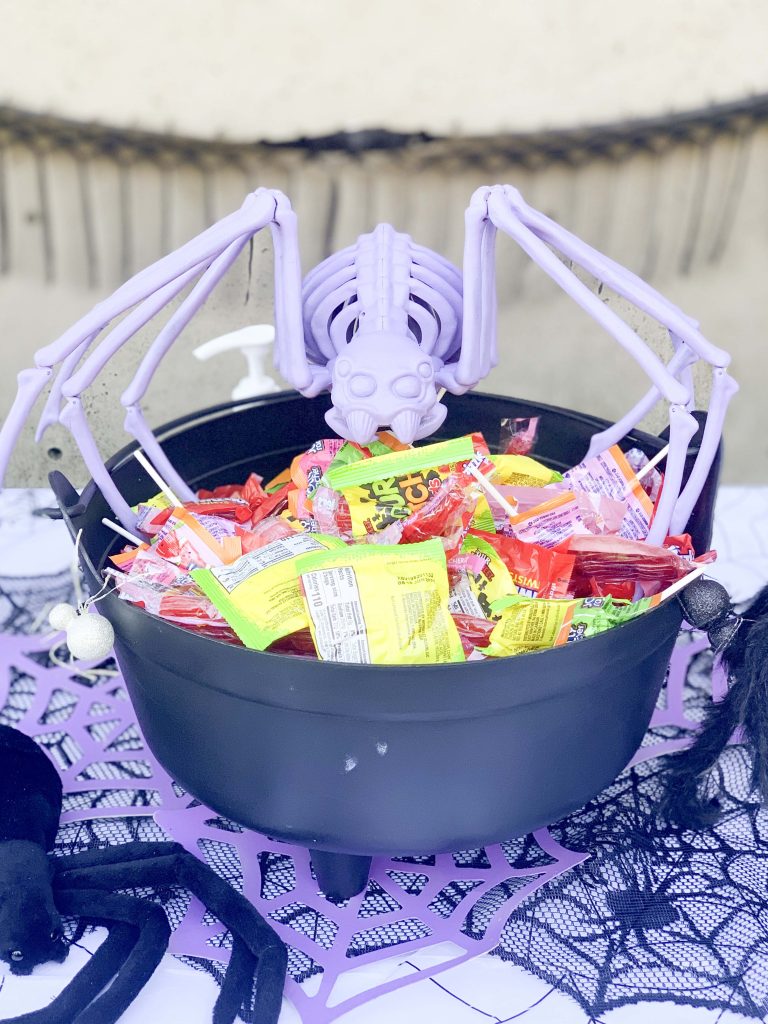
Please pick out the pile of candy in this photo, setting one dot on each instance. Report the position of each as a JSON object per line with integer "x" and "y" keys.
{"x": 395, "y": 554}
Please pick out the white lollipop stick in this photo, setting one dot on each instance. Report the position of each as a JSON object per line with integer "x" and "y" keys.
{"x": 682, "y": 583}
{"x": 641, "y": 473}
{"x": 123, "y": 532}
{"x": 146, "y": 464}
{"x": 495, "y": 494}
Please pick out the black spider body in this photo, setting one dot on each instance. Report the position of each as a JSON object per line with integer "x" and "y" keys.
{"x": 36, "y": 889}
{"x": 30, "y": 805}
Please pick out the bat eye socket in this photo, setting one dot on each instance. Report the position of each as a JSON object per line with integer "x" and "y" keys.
{"x": 16, "y": 955}
{"x": 57, "y": 935}
{"x": 362, "y": 385}
{"x": 407, "y": 387}
{"x": 343, "y": 367}
{"x": 425, "y": 370}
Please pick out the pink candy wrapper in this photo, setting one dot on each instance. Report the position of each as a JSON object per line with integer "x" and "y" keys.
{"x": 610, "y": 474}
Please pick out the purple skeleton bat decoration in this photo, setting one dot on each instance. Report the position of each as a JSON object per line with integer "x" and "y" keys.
{"x": 384, "y": 325}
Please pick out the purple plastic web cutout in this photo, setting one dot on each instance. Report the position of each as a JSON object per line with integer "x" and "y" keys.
{"x": 89, "y": 729}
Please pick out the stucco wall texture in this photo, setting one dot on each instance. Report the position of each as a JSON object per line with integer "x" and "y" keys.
{"x": 251, "y": 70}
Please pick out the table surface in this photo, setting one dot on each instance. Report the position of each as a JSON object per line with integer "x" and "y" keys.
{"x": 690, "y": 947}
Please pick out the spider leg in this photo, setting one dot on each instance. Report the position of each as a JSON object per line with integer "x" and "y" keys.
{"x": 505, "y": 216}
{"x": 683, "y": 331}
{"x": 142, "y": 960}
{"x": 166, "y": 272}
{"x": 256, "y": 212}
{"x": 140, "y": 864}
{"x": 237, "y": 984}
{"x": 129, "y": 954}
{"x": 502, "y": 207}
{"x": 682, "y": 360}
{"x": 290, "y": 349}
{"x": 87, "y": 983}
{"x": 131, "y": 398}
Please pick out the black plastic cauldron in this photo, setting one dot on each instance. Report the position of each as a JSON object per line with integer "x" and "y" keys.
{"x": 359, "y": 760}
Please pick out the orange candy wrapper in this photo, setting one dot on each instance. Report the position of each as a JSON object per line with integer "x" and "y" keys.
{"x": 197, "y": 541}
{"x": 550, "y": 523}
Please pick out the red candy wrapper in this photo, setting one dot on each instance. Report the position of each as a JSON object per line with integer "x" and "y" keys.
{"x": 299, "y": 644}
{"x": 264, "y": 532}
{"x": 473, "y": 631}
{"x": 251, "y": 492}
{"x": 271, "y": 504}
{"x": 613, "y": 565}
{"x": 447, "y": 514}
{"x": 536, "y": 571}
{"x": 182, "y": 604}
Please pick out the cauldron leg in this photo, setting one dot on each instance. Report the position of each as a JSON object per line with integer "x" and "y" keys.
{"x": 340, "y": 875}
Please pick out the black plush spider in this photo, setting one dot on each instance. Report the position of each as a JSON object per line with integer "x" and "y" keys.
{"x": 36, "y": 889}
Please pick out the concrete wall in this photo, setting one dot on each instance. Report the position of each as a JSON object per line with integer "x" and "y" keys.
{"x": 254, "y": 69}
{"x": 691, "y": 217}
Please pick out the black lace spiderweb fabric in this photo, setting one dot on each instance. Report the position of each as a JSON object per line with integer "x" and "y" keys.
{"x": 656, "y": 914}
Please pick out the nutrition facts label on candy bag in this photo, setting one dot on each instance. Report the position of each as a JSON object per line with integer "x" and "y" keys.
{"x": 334, "y": 604}
{"x": 231, "y": 576}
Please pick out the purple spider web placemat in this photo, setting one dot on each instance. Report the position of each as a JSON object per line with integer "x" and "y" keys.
{"x": 115, "y": 791}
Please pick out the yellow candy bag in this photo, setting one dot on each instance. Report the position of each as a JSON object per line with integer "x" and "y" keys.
{"x": 380, "y": 604}
{"x": 259, "y": 594}
{"x": 478, "y": 578}
{"x": 382, "y": 490}
{"x": 522, "y": 471}
{"x": 531, "y": 624}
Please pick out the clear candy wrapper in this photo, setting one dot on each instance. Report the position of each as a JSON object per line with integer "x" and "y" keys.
{"x": 151, "y": 519}
{"x": 263, "y": 533}
{"x": 613, "y": 565}
{"x": 331, "y": 511}
{"x": 599, "y": 513}
{"x": 251, "y": 492}
{"x": 307, "y": 470}
{"x": 478, "y": 578}
{"x": 518, "y": 435}
{"x": 474, "y": 632}
{"x": 652, "y": 481}
{"x": 522, "y": 471}
{"x": 272, "y": 504}
{"x": 530, "y": 624}
{"x": 299, "y": 644}
{"x": 182, "y": 604}
{"x": 447, "y": 514}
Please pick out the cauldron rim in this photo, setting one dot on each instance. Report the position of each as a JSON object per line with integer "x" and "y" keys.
{"x": 176, "y": 431}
